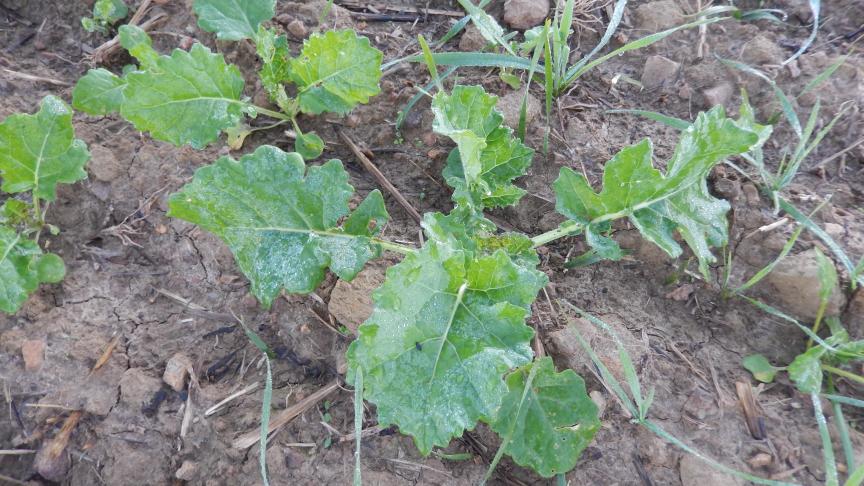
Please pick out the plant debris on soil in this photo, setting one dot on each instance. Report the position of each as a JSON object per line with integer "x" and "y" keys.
{"x": 134, "y": 370}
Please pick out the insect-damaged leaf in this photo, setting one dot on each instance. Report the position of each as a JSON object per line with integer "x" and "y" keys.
{"x": 39, "y": 151}
{"x": 281, "y": 219}
{"x": 233, "y": 19}
{"x": 188, "y": 97}
{"x": 487, "y": 158}
{"x": 656, "y": 203}
{"x": 546, "y": 419}
{"x": 335, "y": 71}
{"x": 99, "y": 92}
{"x": 23, "y": 267}
{"x": 446, "y": 326}
{"x": 275, "y": 57}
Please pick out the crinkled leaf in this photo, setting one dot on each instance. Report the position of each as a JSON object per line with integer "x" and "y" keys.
{"x": 546, "y": 419}
{"x": 309, "y": 145}
{"x": 22, "y": 268}
{"x": 487, "y": 158}
{"x": 39, "y": 151}
{"x": 105, "y": 13}
{"x": 806, "y": 370}
{"x": 760, "y": 367}
{"x": 99, "y": 92}
{"x": 233, "y": 19}
{"x": 281, "y": 219}
{"x": 657, "y": 203}
{"x": 445, "y": 327}
{"x": 14, "y": 212}
{"x": 275, "y": 57}
{"x": 335, "y": 71}
{"x": 135, "y": 40}
{"x": 187, "y": 98}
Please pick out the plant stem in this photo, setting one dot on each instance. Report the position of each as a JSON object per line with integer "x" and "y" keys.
{"x": 270, "y": 113}
{"x": 394, "y": 247}
{"x": 818, "y": 322}
{"x": 565, "y": 229}
{"x": 842, "y": 428}
{"x": 843, "y": 373}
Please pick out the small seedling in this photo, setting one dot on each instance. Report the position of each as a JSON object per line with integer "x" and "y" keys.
{"x": 106, "y": 13}
{"x": 192, "y": 97}
{"x": 37, "y": 152}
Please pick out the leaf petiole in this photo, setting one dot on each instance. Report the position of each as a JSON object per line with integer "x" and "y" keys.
{"x": 567, "y": 229}
{"x": 394, "y": 247}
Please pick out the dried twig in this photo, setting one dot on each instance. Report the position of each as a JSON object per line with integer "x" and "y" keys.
{"x": 215, "y": 408}
{"x": 37, "y": 79}
{"x": 372, "y": 169}
{"x": 755, "y": 422}
{"x": 251, "y": 438}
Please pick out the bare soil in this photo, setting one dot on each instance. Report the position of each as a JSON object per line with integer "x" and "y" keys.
{"x": 140, "y": 279}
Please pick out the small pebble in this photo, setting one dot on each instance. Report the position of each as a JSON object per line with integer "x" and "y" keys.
{"x": 297, "y": 29}
{"x": 33, "y": 351}
{"x": 176, "y": 370}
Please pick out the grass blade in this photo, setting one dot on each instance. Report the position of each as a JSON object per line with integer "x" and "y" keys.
{"x": 842, "y": 429}
{"x": 767, "y": 268}
{"x": 430, "y": 62}
{"x": 535, "y": 61}
{"x": 777, "y": 313}
{"x": 785, "y": 104}
{"x": 822, "y": 76}
{"x": 822, "y": 235}
{"x": 669, "y": 121}
{"x": 844, "y": 400}
{"x": 576, "y": 71}
{"x": 827, "y": 447}
{"x": 856, "y": 478}
{"x": 815, "y": 7}
{"x": 403, "y": 114}
{"x": 488, "y": 27}
{"x": 266, "y": 399}
{"x": 614, "y": 21}
{"x": 358, "y": 423}
{"x": 475, "y": 59}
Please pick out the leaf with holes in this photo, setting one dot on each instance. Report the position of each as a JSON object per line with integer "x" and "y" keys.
{"x": 335, "y": 71}
{"x": 446, "y": 326}
{"x": 546, "y": 419}
{"x": 39, "y": 151}
{"x": 23, "y": 267}
{"x": 274, "y": 54}
{"x": 233, "y": 19}
{"x": 186, "y": 98}
{"x": 281, "y": 219}
{"x": 656, "y": 203}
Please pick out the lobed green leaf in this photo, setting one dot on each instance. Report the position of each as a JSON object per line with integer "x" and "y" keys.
{"x": 186, "y": 98}
{"x": 281, "y": 219}
{"x": 546, "y": 418}
{"x": 659, "y": 204}
{"x": 39, "y": 151}
{"x": 487, "y": 157}
{"x": 447, "y": 325}
{"x": 335, "y": 71}
{"x": 233, "y": 19}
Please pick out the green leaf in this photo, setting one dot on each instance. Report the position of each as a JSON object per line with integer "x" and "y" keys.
{"x": 806, "y": 370}
{"x": 309, "y": 145}
{"x": 827, "y": 276}
{"x": 760, "y": 367}
{"x": 487, "y": 158}
{"x": 99, "y": 92}
{"x": 22, "y": 268}
{"x": 336, "y": 71}
{"x": 486, "y": 25}
{"x": 446, "y": 326}
{"x": 656, "y": 203}
{"x": 546, "y": 419}
{"x": 110, "y": 11}
{"x": 135, "y": 40}
{"x": 281, "y": 219}
{"x": 275, "y": 56}
{"x": 14, "y": 212}
{"x": 187, "y": 98}
{"x": 233, "y": 19}
{"x": 39, "y": 151}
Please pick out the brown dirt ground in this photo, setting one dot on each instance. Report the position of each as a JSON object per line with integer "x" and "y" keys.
{"x": 689, "y": 350}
